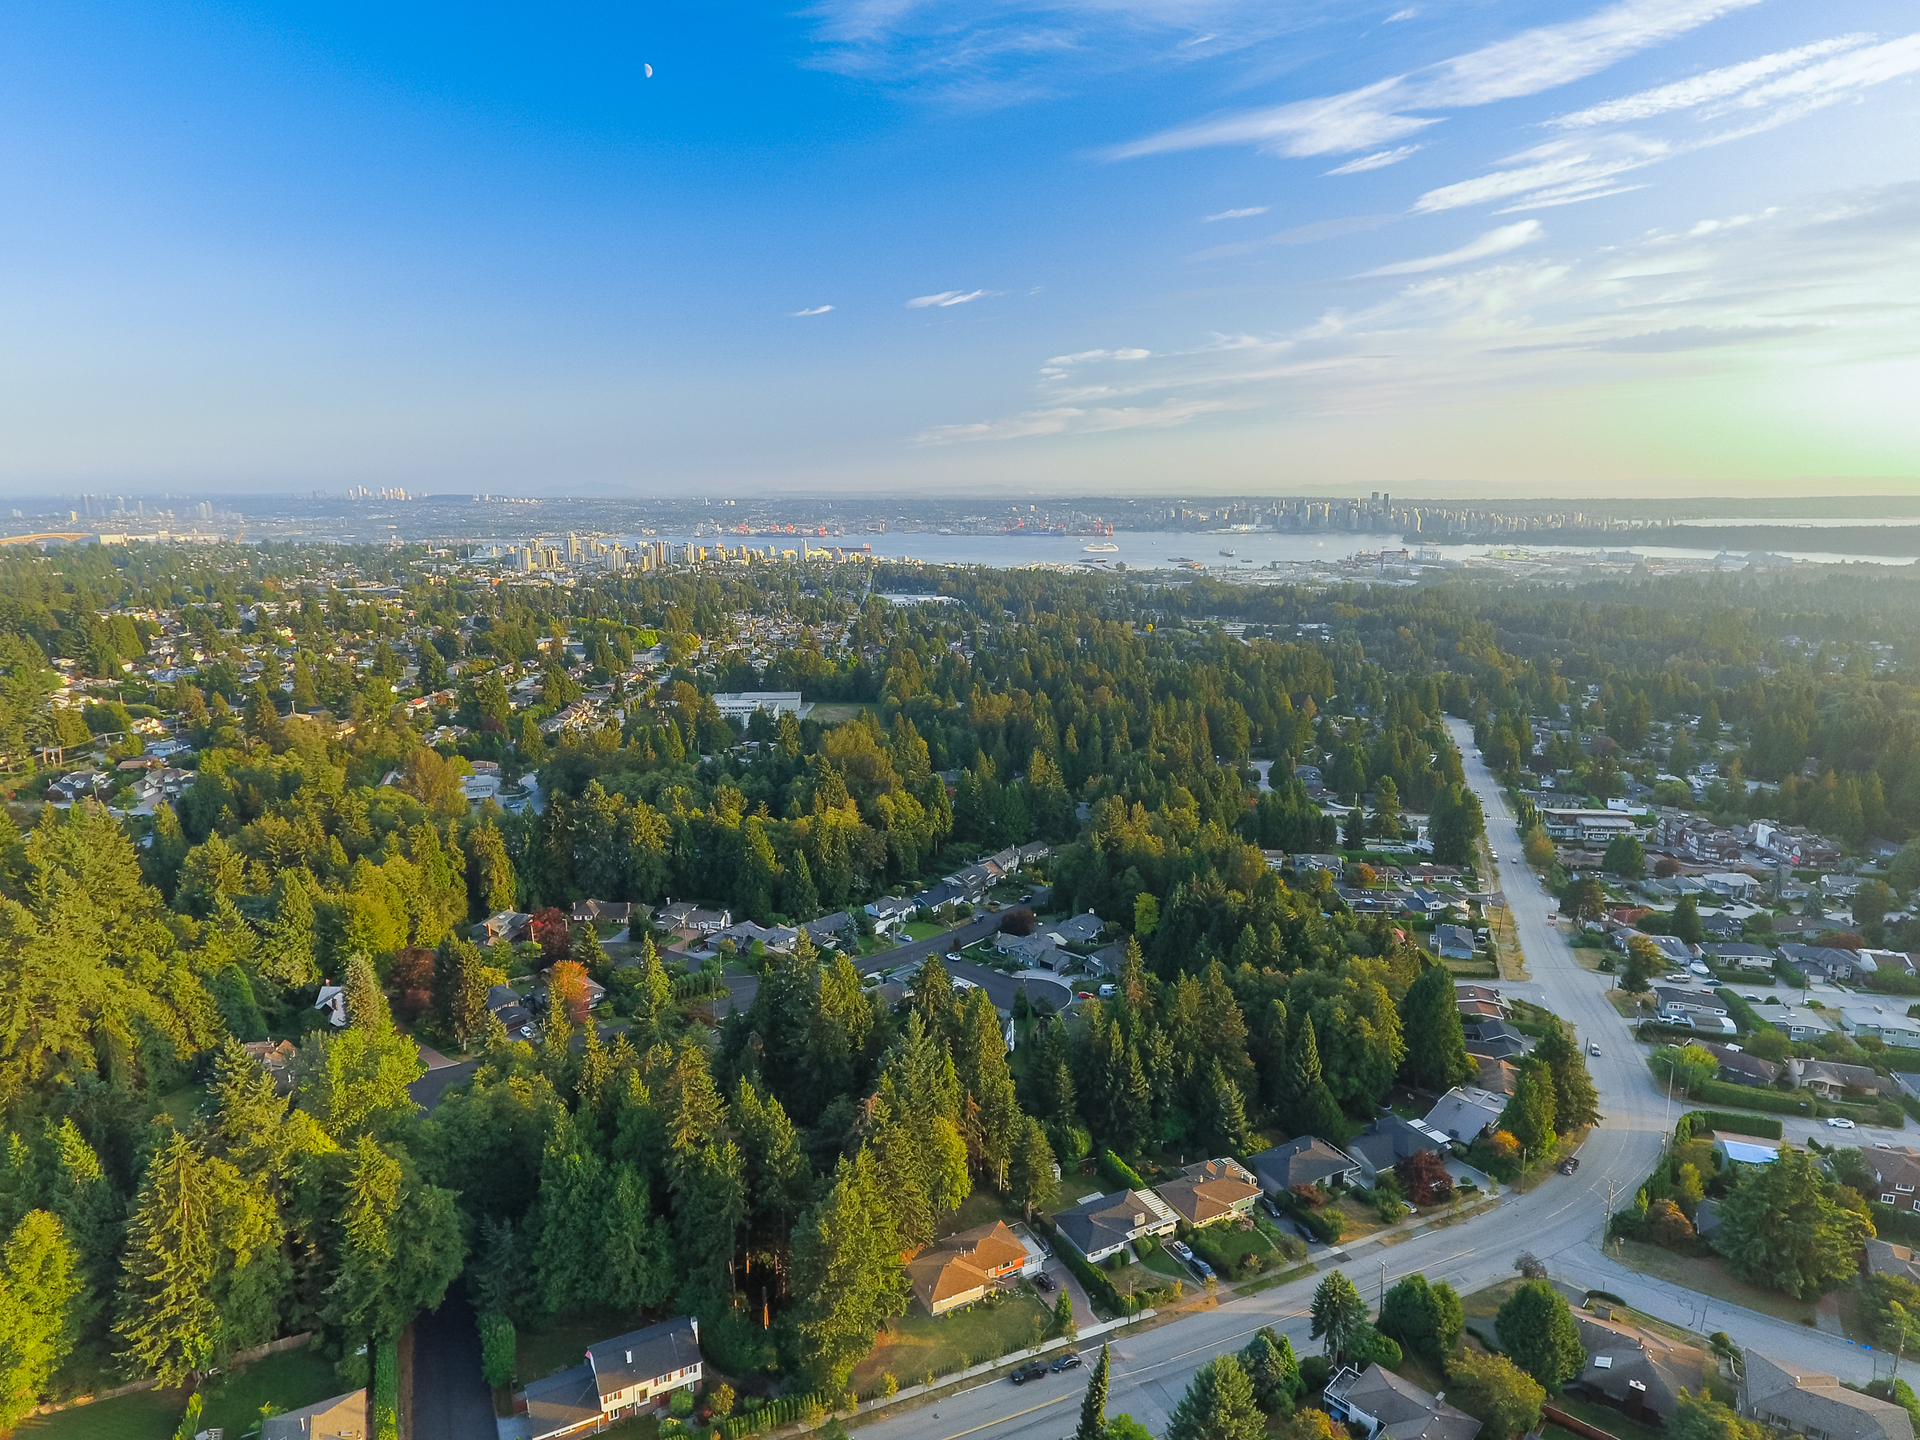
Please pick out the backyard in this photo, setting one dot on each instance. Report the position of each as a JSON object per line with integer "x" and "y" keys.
{"x": 288, "y": 1380}
{"x": 539, "y": 1354}
{"x": 917, "y": 1346}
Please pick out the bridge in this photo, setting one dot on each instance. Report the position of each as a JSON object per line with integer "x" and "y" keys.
{"x": 70, "y": 536}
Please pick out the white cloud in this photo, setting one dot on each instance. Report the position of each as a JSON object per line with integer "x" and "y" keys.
{"x": 1557, "y": 170}
{"x": 944, "y": 299}
{"x": 1374, "y": 115}
{"x": 1234, "y": 214}
{"x": 1701, "y": 89}
{"x": 1064, "y": 419}
{"x": 1400, "y": 15}
{"x": 1494, "y": 242}
{"x": 1081, "y": 357}
{"x": 1833, "y": 79}
{"x": 1379, "y": 160}
{"x": 815, "y": 310}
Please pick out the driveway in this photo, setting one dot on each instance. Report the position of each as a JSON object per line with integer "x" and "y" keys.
{"x": 450, "y": 1400}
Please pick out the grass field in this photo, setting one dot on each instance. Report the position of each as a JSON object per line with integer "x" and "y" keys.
{"x": 917, "y": 1345}
{"x": 288, "y": 1380}
{"x": 922, "y": 929}
{"x": 1710, "y": 1276}
{"x": 1222, "y": 1246}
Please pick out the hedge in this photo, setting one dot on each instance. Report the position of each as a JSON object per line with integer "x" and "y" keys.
{"x": 1098, "y": 1287}
{"x": 1123, "y": 1175}
{"x": 1737, "y": 1124}
{"x": 386, "y": 1388}
{"x": 1741, "y": 1013}
{"x": 497, "y": 1348}
{"x": 1892, "y": 1224}
{"x": 782, "y": 1410}
{"x": 1721, "y": 1092}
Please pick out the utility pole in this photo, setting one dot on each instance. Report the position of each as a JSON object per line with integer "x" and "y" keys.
{"x": 1383, "y": 1288}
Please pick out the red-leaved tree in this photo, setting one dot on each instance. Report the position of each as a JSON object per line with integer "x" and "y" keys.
{"x": 567, "y": 991}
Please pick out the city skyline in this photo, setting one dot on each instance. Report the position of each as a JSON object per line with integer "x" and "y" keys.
{"x": 1061, "y": 249}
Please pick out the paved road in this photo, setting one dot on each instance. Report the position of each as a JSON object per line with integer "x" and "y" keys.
{"x": 450, "y": 1400}
{"x": 1561, "y": 1221}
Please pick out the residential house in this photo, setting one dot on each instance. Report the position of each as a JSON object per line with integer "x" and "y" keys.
{"x": 596, "y": 992}
{"x": 276, "y": 1058}
{"x": 1797, "y": 1025}
{"x": 1891, "y": 962}
{"x": 1675, "y": 951}
{"x": 617, "y": 912}
{"x": 1637, "y": 1370}
{"x": 1103, "y": 1225}
{"x": 1376, "y": 1402}
{"x": 1675, "y": 1004}
{"x": 1891, "y": 1025}
{"x": 1078, "y": 929}
{"x": 837, "y": 930}
{"x": 1495, "y": 1038}
{"x": 508, "y": 927}
{"x": 1738, "y": 1067}
{"x": 1746, "y": 1149}
{"x": 690, "y": 919}
{"x": 1739, "y": 956}
{"x": 1453, "y": 942}
{"x": 1790, "y": 1397}
{"x": 1465, "y": 1114}
{"x": 1886, "y": 1258}
{"x": 1211, "y": 1190}
{"x": 333, "y": 1000}
{"x": 1822, "y": 962}
{"x": 1107, "y": 961}
{"x": 890, "y": 912}
{"x": 1791, "y": 844}
{"x": 1496, "y": 1076}
{"x": 623, "y": 1377}
{"x": 1033, "y": 952}
{"x": 1896, "y": 1177}
{"x": 1465, "y": 990}
{"x": 1733, "y": 884}
{"x": 1829, "y": 1079}
{"x": 1389, "y": 1140}
{"x": 1586, "y": 826}
{"x": 745, "y": 934}
{"x": 963, "y": 1268}
{"x": 1306, "y": 1160}
{"x": 344, "y": 1417}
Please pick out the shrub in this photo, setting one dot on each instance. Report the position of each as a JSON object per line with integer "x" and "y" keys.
{"x": 1122, "y": 1175}
{"x": 681, "y": 1405}
{"x": 497, "y": 1348}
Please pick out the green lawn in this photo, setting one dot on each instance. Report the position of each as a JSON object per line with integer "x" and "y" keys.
{"x": 1223, "y": 1245}
{"x": 564, "y": 1343}
{"x": 922, "y": 929}
{"x": 290, "y": 1380}
{"x": 1708, "y": 1274}
{"x": 916, "y": 1345}
{"x": 1161, "y": 1259}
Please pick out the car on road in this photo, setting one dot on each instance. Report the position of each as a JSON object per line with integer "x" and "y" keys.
{"x": 1569, "y": 1165}
{"x": 1068, "y": 1361}
{"x": 1042, "y": 1281}
{"x": 1593, "y": 1048}
{"x": 1033, "y": 1371}
{"x": 1839, "y": 1122}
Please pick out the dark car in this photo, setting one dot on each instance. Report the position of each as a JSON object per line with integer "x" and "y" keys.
{"x": 1569, "y": 1165}
{"x": 1042, "y": 1281}
{"x": 1028, "y": 1372}
{"x": 1068, "y": 1361}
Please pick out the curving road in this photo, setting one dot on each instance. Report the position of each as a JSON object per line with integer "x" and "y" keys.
{"x": 1561, "y": 1221}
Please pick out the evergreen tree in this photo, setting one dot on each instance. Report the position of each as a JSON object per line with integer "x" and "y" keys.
{"x": 847, "y": 1275}
{"x": 1529, "y": 1114}
{"x": 1340, "y": 1317}
{"x": 1575, "y": 1101}
{"x": 797, "y": 895}
{"x": 490, "y": 878}
{"x": 1227, "y": 1112}
{"x": 460, "y": 988}
{"x": 1273, "y": 1370}
{"x": 1030, "y": 1179}
{"x": 1093, "y": 1405}
{"x": 989, "y": 1112}
{"x": 1436, "y": 1058}
{"x": 1311, "y": 1108}
{"x": 1782, "y": 1228}
{"x": 1686, "y": 921}
{"x": 400, "y": 1245}
{"x": 40, "y": 1308}
{"x": 1218, "y": 1405}
{"x": 653, "y": 997}
{"x": 1537, "y": 1331}
{"x": 204, "y": 1271}
{"x": 366, "y": 1005}
{"x": 287, "y": 951}
{"x": 83, "y": 1200}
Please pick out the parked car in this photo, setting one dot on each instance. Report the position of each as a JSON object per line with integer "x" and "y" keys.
{"x": 1182, "y": 1249}
{"x": 1839, "y": 1122}
{"x": 1202, "y": 1269}
{"x": 1033, "y": 1371}
{"x": 1272, "y": 1207}
{"x": 1068, "y": 1361}
{"x": 1042, "y": 1281}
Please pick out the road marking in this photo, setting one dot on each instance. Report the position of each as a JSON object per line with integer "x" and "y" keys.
{"x": 1005, "y": 1418}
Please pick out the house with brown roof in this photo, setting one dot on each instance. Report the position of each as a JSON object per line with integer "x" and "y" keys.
{"x": 1496, "y": 1076}
{"x": 1783, "y": 1394}
{"x": 344, "y": 1417}
{"x": 1211, "y": 1190}
{"x": 963, "y": 1268}
{"x": 276, "y": 1058}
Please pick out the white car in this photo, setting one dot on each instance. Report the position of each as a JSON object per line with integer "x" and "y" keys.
{"x": 1180, "y": 1248}
{"x": 1592, "y": 1048}
{"x": 1839, "y": 1122}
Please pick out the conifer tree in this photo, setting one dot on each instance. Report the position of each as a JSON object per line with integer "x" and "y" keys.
{"x": 1575, "y": 1101}
{"x": 286, "y": 953}
{"x": 1218, "y": 1405}
{"x": 1228, "y": 1112}
{"x": 639, "y": 1263}
{"x": 83, "y": 1200}
{"x": 366, "y": 1005}
{"x": 1030, "y": 1178}
{"x": 400, "y": 1245}
{"x": 847, "y": 1274}
{"x": 1436, "y": 1058}
{"x": 1529, "y": 1114}
{"x": 40, "y": 1311}
{"x": 1093, "y": 1406}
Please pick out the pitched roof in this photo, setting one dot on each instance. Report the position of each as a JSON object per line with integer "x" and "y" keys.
{"x": 1303, "y": 1161}
{"x": 964, "y": 1263}
{"x": 1209, "y": 1190}
{"x": 1626, "y": 1363}
{"x": 1464, "y": 1112}
{"x": 562, "y": 1402}
{"x": 645, "y": 1355}
{"x": 1106, "y": 1222}
{"x": 344, "y": 1417}
{"x": 1808, "y": 1400}
{"x": 1404, "y": 1410}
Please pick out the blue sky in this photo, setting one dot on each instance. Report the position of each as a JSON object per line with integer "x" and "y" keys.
{"x": 1091, "y": 246}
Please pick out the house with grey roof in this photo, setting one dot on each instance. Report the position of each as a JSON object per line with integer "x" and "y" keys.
{"x": 1453, "y": 942}
{"x": 1389, "y": 1140}
{"x": 1465, "y": 1113}
{"x": 1378, "y": 1402}
{"x": 1103, "y": 1225}
{"x": 1791, "y": 1397}
{"x": 1307, "y": 1160}
{"x": 626, "y": 1376}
